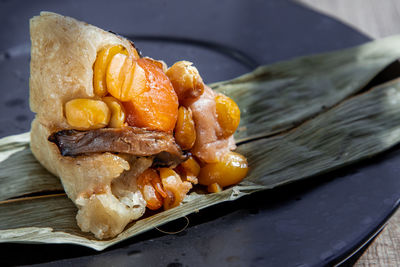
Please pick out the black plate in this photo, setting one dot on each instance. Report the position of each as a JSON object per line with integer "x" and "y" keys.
{"x": 317, "y": 222}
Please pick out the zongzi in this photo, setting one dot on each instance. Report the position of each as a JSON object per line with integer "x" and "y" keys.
{"x": 123, "y": 131}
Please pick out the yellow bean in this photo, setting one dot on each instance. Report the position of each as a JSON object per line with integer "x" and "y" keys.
{"x": 100, "y": 67}
{"x": 117, "y": 119}
{"x": 86, "y": 114}
{"x": 190, "y": 169}
{"x": 214, "y": 188}
{"x": 186, "y": 81}
{"x": 228, "y": 114}
{"x": 230, "y": 170}
{"x": 185, "y": 131}
{"x": 125, "y": 78}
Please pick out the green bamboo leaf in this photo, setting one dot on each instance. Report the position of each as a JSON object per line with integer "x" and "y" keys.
{"x": 277, "y": 97}
{"x": 359, "y": 127}
{"x": 21, "y": 173}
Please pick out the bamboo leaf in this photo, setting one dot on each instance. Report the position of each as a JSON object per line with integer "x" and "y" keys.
{"x": 277, "y": 97}
{"x": 358, "y": 127}
{"x": 21, "y": 173}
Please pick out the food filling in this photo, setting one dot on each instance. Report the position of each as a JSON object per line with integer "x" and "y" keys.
{"x": 167, "y": 115}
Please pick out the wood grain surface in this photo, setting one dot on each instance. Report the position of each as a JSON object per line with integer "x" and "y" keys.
{"x": 377, "y": 19}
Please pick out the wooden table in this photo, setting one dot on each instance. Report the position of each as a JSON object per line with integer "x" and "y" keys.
{"x": 377, "y": 19}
